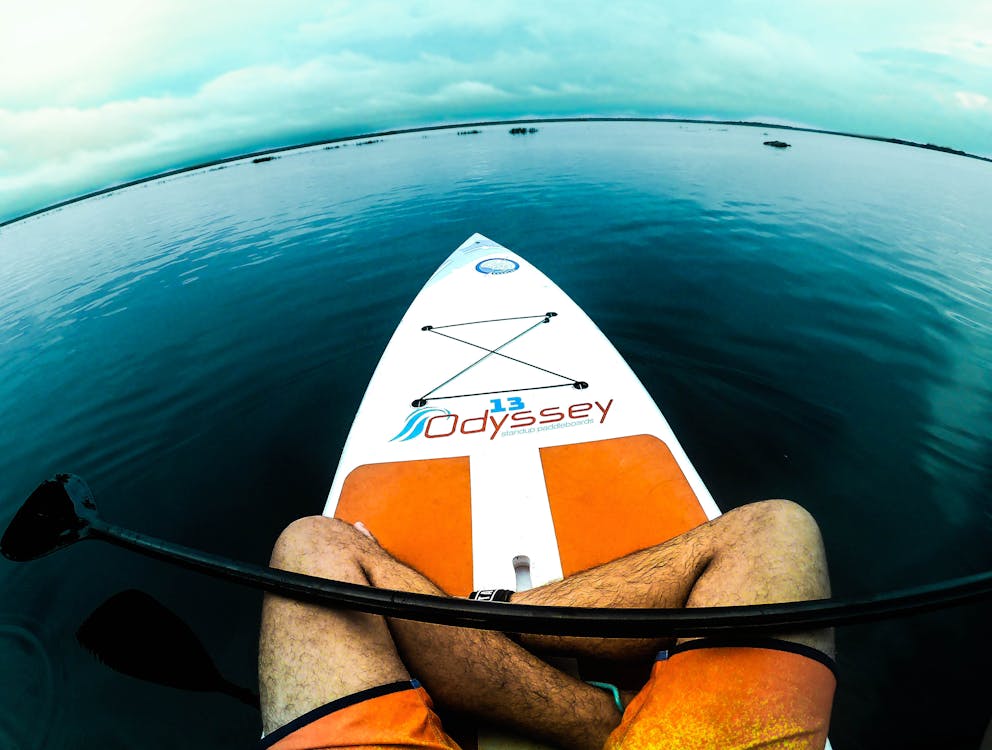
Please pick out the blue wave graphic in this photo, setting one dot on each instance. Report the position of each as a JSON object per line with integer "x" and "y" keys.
{"x": 416, "y": 423}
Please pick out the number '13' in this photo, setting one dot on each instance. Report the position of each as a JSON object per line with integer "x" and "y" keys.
{"x": 513, "y": 404}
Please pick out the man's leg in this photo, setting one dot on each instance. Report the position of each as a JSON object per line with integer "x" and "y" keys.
{"x": 309, "y": 655}
{"x": 727, "y": 692}
{"x": 761, "y": 553}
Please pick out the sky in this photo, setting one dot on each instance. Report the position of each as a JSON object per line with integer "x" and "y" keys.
{"x": 99, "y": 92}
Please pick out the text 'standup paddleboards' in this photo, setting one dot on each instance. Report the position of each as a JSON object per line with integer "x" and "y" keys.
{"x": 500, "y": 422}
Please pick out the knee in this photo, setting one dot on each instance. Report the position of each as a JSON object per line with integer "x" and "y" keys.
{"x": 312, "y": 544}
{"x": 781, "y": 528}
{"x": 782, "y": 519}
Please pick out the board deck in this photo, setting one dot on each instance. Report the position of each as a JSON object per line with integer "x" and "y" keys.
{"x": 500, "y": 422}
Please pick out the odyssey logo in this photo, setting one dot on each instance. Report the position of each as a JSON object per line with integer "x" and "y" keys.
{"x": 435, "y": 423}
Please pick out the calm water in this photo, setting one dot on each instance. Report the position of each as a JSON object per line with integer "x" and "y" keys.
{"x": 816, "y": 323}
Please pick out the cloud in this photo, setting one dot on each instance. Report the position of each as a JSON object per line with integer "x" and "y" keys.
{"x": 915, "y": 63}
{"x": 85, "y": 54}
{"x": 347, "y": 21}
{"x": 971, "y": 100}
{"x": 473, "y": 91}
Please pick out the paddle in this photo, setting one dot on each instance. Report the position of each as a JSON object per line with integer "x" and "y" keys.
{"x": 136, "y": 635}
{"x": 62, "y": 511}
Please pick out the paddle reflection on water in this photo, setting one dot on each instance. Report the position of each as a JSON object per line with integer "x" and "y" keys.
{"x": 136, "y": 635}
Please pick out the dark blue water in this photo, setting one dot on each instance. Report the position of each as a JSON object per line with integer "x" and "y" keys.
{"x": 816, "y": 323}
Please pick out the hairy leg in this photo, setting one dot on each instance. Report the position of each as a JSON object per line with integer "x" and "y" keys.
{"x": 310, "y": 655}
{"x": 760, "y": 553}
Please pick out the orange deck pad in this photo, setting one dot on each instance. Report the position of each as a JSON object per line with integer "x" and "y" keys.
{"x": 421, "y": 513}
{"x": 611, "y": 497}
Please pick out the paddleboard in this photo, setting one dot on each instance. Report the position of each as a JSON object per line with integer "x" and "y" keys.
{"x": 501, "y": 423}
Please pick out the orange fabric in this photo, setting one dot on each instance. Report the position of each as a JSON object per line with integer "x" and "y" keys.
{"x": 630, "y": 486}
{"x": 396, "y": 721}
{"x": 732, "y": 698}
{"x": 421, "y": 512}
{"x": 726, "y": 697}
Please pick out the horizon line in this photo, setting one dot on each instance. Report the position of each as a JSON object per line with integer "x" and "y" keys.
{"x": 484, "y": 123}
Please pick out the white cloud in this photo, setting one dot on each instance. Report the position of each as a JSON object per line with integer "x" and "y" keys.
{"x": 89, "y": 52}
{"x": 469, "y": 90}
{"x": 964, "y": 33}
{"x": 346, "y": 21}
{"x": 971, "y": 100}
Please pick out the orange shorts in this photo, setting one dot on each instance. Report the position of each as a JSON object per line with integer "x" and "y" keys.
{"x": 732, "y": 694}
{"x": 390, "y": 717}
{"x": 707, "y": 693}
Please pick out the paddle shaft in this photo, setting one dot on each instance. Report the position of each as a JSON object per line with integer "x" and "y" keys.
{"x": 573, "y": 621}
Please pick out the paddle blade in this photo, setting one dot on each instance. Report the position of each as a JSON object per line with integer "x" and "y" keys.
{"x": 134, "y": 634}
{"x": 56, "y": 515}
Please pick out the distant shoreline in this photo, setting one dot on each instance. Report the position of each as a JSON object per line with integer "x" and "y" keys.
{"x": 259, "y": 155}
